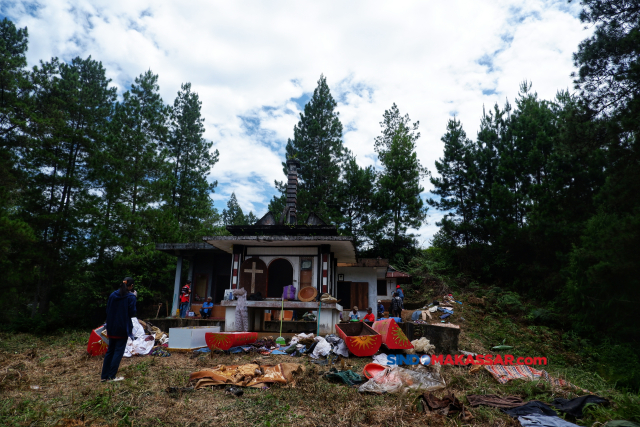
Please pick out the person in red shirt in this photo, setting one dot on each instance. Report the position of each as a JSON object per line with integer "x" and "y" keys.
{"x": 370, "y": 317}
{"x": 185, "y": 297}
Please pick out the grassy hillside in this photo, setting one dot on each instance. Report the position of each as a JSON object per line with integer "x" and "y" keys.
{"x": 70, "y": 393}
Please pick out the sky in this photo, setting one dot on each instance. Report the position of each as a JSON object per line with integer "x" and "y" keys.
{"x": 255, "y": 64}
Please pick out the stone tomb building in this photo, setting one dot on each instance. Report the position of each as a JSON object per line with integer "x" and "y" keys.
{"x": 276, "y": 252}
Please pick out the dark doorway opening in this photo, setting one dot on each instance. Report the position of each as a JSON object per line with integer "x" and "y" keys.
{"x": 280, "y": 275}
{"x": 344, "y": 294}
{"x": 222, "y": 283}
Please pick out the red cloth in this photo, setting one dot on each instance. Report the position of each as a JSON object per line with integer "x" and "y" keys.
{"x": 370, "y": 318}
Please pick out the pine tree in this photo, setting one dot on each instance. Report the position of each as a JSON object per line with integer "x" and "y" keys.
{"x": 135, "y": 165}
{"x": 399, "y": 204}
{"x": 250, "y": 218}
{"x": 71, "y": 110}
{"x": 16, "y": 236}
{"x": 357, "y": 188}
{"x": 191, "y": 161}
{"x": 317, "y": 144}
{"x": 456, "y": 184}
{"x": 233, "y": 215}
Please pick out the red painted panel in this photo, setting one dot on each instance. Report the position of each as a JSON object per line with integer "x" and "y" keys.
{"x": 226, "y": 340}
{"x": 96, "y": 345}
{"x": 392, "y": 335}
{"x": 363, "y": 345}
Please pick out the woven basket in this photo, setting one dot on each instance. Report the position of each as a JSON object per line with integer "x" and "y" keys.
{"x": 307, "y": 294}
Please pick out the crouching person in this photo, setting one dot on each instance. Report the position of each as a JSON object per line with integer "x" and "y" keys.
{"x": 205, "y": 311}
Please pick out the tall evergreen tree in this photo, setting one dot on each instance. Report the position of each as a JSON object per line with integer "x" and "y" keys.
{"x": 192, "y": 161}
{"x": 72, "y": 106}
{"x": 317, "y": 144}
{"x": 16, "y": 236}
{"x": 399, "y": 205}
{"x": 133, "y": 177}
{"x": 233, "y": 214}
{"x": 456, "y": 185}
{"x": 357, "y": 188}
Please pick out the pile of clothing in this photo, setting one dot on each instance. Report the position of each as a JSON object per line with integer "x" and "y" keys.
{"x": 536, "y": 413}
{"x": 249, "y": 375}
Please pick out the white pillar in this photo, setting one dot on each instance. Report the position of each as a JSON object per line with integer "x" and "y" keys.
{"x": 176, "y": 287}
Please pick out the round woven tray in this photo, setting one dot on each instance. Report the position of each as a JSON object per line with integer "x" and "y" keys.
{"x": 307, "y": 294}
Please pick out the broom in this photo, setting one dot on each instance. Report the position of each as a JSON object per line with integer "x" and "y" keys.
{"x": 280, "y": 340}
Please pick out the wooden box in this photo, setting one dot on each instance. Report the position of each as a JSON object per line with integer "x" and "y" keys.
{"x": 276, "y": 314}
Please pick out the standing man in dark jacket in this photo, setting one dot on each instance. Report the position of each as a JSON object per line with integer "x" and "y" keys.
{"x": 121, "y": 307}
{"x": 396, "y": 305}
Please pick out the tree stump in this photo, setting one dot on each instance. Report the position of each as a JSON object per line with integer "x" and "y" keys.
{"x": 444, "y": 338}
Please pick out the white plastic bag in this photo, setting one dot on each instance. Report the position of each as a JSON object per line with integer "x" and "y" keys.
{"x": 395, "y": 379}
{"x": 323, "y": 348}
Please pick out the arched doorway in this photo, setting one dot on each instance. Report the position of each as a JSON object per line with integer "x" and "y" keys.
{"x": 280, "y": 275}
{"x": 253, "y": 276}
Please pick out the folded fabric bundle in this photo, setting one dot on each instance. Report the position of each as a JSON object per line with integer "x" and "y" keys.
{"x": 495, "y": 401}
{"x": 574, "y": 406}
{"x": 533, "y": 407}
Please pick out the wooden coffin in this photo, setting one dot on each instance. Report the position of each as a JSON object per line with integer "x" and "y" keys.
{"x": 226, "y": 340}
{"x": 360, "y": 339}
{"x": 392, "y": 335}
{"x": 97, "y": 344}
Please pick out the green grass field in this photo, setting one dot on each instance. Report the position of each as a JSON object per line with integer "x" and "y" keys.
{"x": 69, "y": 392}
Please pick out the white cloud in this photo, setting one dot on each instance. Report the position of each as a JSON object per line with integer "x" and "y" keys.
{"x": 249, "y": 59}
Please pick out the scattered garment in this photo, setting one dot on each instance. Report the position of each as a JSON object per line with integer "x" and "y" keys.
{"x": 322, "y": 348}
{"x": 530, "y": 408}
{"x": 544, "y": 421}
{"x": 138, "y": 346}
{"x": 381, "y": 359}
{"x": 504, "y": 373}
{"x": 249, "y": 375}
{"x": 444, "y": 316}
{"x": 349, "y": 377}
{"x": 495, "y": 401}
{"x": 574, "y": 406}
{"x": 448, "y": 404}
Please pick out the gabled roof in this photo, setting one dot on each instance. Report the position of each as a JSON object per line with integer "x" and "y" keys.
{"x": 366, "y": 262}
{"x": 341, "y": 246}
{"x": 393, "y": 273}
